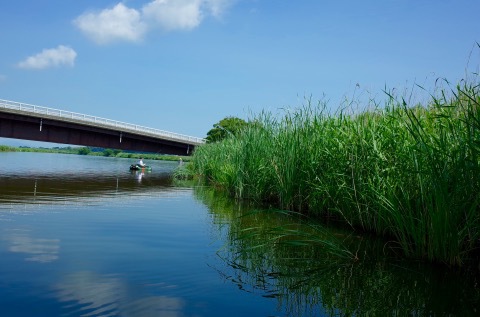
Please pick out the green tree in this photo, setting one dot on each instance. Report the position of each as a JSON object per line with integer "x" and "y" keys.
{"x": 225, "y": 127}
{"x": 84, "y": 150}
{"x": 108, "y": 152}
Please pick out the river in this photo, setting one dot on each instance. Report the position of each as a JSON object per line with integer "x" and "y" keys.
{"x": 84, "y": 236}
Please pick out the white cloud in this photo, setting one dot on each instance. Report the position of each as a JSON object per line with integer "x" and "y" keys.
{"x": 53, "y": 57}
{"x": 3, "y": 78}
{"x": 174, "y": 14}
{"x": 109, "y": 25}
{"x": 217, "y": 7}
{"x": 121, "y": 23}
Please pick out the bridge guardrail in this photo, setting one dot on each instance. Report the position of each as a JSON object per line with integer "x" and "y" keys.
{"x": 98, "y": 121}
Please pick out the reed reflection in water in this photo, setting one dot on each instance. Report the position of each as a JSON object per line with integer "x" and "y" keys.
{"x": 308, "y": 269}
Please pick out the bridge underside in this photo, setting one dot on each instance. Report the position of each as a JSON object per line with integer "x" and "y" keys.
{"x": 18, "y": 126}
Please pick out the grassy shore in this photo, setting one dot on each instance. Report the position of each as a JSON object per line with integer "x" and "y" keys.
{"x": 94, "y": 152}
{"x": 409, "y": 172}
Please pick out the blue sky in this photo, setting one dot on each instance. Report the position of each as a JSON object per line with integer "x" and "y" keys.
{"x": 183, "y": 65}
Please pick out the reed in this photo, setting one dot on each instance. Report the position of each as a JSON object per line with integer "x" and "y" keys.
{"x": 409, "y": 172}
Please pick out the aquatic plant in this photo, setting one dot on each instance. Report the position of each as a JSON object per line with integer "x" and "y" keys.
{"x": 403, "y": 170}
{"x": 183, "y": 171}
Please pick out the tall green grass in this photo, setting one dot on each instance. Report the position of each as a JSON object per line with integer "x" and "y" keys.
{"x": 409, "y": 172}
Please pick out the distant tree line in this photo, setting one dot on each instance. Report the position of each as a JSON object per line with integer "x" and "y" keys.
{"x": 96, "y": 151}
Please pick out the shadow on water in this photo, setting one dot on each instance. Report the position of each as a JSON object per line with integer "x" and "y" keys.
{"x": 84, "y": 188}
{"x": 314, "y": 271}
{"x": 52, "y": 179}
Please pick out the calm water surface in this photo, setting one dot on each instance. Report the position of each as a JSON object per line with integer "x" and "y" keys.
{"x": 84, "y": 236}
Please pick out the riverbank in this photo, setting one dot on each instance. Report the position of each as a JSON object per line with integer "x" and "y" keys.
{"x": 94, "y": 152}
{"x": 407, "y": 172}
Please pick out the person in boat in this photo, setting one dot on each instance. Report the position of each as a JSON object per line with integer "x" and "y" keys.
{"x": 140, "y": 162}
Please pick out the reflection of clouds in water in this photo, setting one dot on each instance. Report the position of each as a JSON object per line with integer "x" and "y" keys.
{"x": 110, "y": 296}
{"x": 39, "y": 250}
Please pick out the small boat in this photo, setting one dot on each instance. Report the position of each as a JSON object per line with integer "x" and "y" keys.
{"x": 136, "y": 167}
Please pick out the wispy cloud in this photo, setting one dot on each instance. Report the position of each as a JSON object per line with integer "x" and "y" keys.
{"x": 121, "y": 23}
{"x": 110, "y": 25}
{"x": 174, "y": 15}
{"x": 3, "y": 78}
{"x": 218, "y": 7}
{"x": 53, "y": 57}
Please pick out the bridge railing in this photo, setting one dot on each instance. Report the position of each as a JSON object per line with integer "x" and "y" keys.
{"x": 97, "y": 121}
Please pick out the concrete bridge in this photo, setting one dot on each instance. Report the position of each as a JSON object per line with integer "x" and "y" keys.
{"x": 36, "y": 123}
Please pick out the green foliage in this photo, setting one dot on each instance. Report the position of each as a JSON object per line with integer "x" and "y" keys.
{"x": 224, "y": 128}
{"x": 152, "y": 156}
{"x": 62, "y": 150}
{"x": 409, "y": 172}
{"x": 5, "y": 148}
{"x": 108, "y": 152}
{"x": 184, "y": 171}
{"x": 111, "y": 152}
{"x": 95, "y": 152}
{"x": 84, "y": 151}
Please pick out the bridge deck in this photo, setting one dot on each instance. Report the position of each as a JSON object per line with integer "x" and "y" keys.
{"x": 67, "y": 116}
